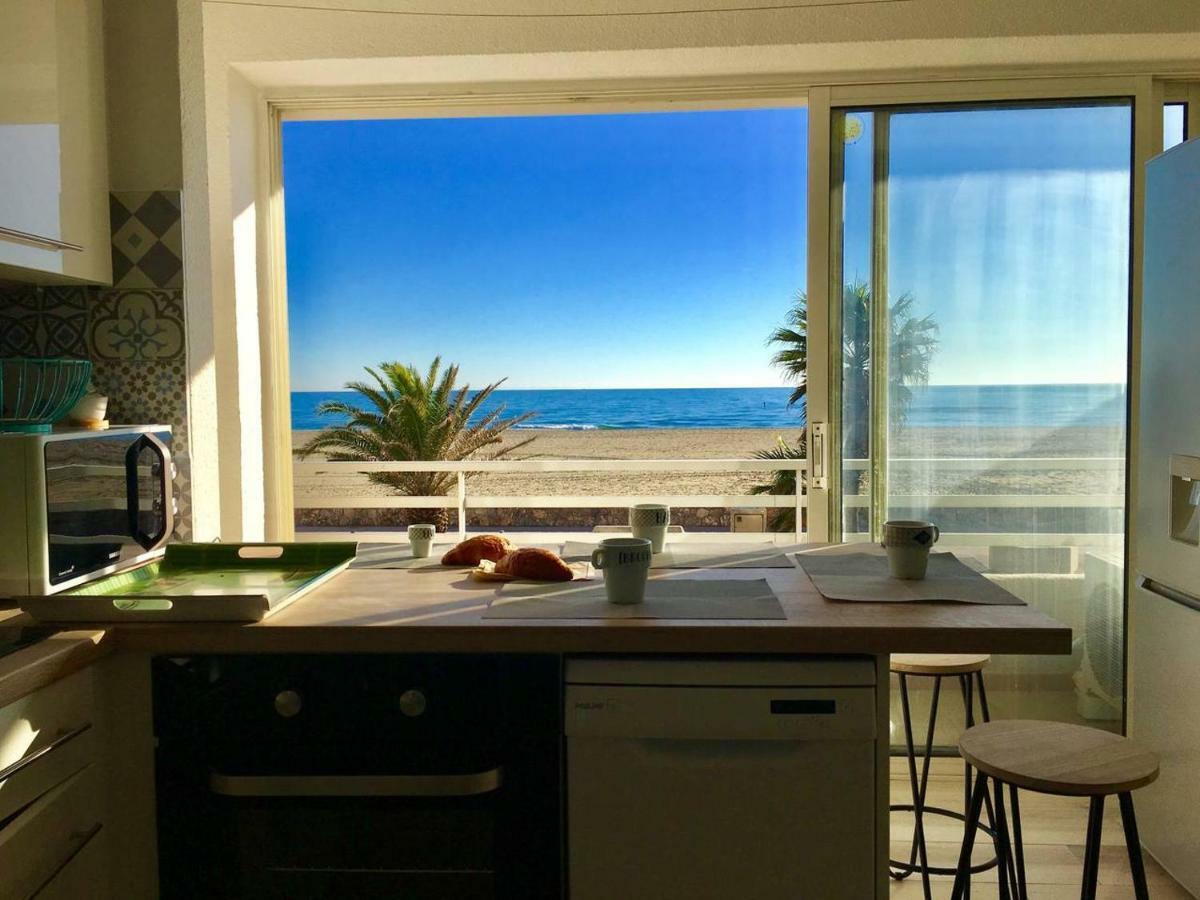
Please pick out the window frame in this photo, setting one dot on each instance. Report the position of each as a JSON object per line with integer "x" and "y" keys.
{"x": 823, "y": 197}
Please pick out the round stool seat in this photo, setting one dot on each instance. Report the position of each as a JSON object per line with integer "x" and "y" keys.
{"x": 938, "y": 663}
{"x": 1057, "y": 758}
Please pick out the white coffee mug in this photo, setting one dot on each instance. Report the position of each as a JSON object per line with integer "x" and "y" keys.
{"x": 625, "y": 563}
{"x": 420, "y": 539}
{"x": 650, "y": 520}
{"x": 908, "y": 543}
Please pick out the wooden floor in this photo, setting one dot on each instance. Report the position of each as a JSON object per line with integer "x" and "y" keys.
{"x": 1054, "y": 833}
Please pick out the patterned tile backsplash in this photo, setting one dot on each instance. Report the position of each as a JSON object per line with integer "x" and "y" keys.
{"x": 134, "y": 333}
{"x": 147, "y": 238}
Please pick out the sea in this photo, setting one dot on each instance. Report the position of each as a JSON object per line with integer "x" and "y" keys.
{"x": 1000, "y": 405}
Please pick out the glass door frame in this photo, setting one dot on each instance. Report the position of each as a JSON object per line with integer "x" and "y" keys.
{"x": 825, "y": 200}
{"x": 1187, "y": 95}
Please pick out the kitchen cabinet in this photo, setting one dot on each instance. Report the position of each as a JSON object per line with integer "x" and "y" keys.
{"x": 51, "y": 794}
{"x": 54, "y": 224}
{"x": 77, "y": 786}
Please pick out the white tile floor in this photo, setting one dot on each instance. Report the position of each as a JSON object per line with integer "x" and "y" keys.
{"x": 1054, "y": 835}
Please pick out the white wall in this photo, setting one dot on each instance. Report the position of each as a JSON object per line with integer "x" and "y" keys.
{"x": 234, "y": 56}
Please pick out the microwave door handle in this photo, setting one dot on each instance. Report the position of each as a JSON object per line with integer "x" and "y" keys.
{"x": 165, "y": 493}
{"x": 133, "y": 494}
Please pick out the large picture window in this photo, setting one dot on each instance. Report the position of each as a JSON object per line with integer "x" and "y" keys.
{"x": 608, "y": 286}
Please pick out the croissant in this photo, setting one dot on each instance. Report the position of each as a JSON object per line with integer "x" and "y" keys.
{"x": 534, "y": 563}
{"x": 472, "y": 550}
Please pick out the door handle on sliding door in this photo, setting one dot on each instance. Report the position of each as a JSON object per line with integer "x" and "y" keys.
{"x": 818, "y": 452}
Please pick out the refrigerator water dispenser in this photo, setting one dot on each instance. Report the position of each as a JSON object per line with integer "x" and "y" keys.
{"x": 1185, "y": 499}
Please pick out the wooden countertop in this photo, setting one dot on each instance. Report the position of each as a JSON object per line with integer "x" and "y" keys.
{"x": 440, "y": 610}
{"x": 26, "y": 670}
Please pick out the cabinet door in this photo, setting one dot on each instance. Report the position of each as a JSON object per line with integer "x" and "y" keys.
{"x": 84, "y": 874}
{"x": 41, "y": 841}
{"x": 53, "y": 141}
{"x": 30, "y": 143}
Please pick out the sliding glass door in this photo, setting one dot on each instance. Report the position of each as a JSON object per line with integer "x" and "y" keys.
{"x": 983, "y": 257}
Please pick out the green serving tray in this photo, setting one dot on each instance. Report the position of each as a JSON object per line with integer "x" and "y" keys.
{"x": 201, "y": 583}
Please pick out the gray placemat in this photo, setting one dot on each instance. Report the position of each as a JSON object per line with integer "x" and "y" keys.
{"x": 714, "y": 556}
{"x": 394, "y": 556}
{"x": 864, "y": 577}
{"x": 673, "y": 598}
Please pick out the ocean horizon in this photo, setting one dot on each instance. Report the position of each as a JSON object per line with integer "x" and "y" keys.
{"x": 576, "y": 409}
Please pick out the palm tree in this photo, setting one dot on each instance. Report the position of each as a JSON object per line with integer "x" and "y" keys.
{"x": 782, "y": 481}
{"x": 912, "y": 341}
{"x": 911, "y": 346}
{"x": 792, "y": 336}
{"x": 410, "y": 417}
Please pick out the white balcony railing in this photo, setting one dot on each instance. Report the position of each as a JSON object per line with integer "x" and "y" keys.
{"x": 464, "y": 501}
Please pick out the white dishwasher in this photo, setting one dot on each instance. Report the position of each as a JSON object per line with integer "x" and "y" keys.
{"x": 694, "y": 778}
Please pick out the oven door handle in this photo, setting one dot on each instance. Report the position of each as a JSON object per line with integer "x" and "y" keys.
{"x": 470, "y": 784}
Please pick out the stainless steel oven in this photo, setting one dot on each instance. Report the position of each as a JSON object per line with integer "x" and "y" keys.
{"x": 80, "y": 504}
{"x": 426, "y": 777}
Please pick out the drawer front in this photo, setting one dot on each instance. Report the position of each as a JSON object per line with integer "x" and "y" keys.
{"x": 42, "y": 840}
{"x": 44, "y": 739}
{"x": 39, "y": 719}
{"x": 84, "y": 874}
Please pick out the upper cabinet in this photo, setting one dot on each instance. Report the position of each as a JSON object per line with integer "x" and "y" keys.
{"x": 53, "y": 143}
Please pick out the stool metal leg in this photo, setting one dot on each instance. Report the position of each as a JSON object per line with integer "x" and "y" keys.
{"x": 969, "y": 718}
{"x": 1000, "y": 839}
{"x": 962, "y": 878}
{"x": 1134, "y": 846}
{"x": 919, "y": 826}
{"x": 967, "y": 683}
{"x": 1091, "y": 853}
{"x": 983, "y": 704}
{"x": 1018, "y": 844}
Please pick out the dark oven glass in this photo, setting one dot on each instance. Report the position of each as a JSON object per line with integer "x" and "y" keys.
{"x": 107, "y": 500}
{"x": 243, "y": 740}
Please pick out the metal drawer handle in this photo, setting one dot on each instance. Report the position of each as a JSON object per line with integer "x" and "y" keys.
{"x": 63, "y": 738}
{"x": 37, "y": 239}
{"x": 1169, "y": 593}
{"x": 79, "y": 840}
{"x": 468, "y": 785}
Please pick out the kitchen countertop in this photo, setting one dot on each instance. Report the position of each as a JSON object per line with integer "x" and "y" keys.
{"x": 26, "y": 670}
{"x": 440, "y": 610}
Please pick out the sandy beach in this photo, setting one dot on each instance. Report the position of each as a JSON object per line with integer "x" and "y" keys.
{"x": 717, "y": 443}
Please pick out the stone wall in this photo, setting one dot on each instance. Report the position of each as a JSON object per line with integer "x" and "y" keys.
{"x": 698, "y": 519}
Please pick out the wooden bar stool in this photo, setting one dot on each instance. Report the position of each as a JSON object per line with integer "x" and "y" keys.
{"x": 1053, "y": 758}
{"x": 968, "y": 669}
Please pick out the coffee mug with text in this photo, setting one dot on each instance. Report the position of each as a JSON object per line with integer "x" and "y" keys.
{"x": 908, "y": 542}
{"x": 650, "y": 521}
{"x": 625, "y": 563}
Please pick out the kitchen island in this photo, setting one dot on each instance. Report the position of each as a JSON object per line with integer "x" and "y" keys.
{"x": 435, "y": 612}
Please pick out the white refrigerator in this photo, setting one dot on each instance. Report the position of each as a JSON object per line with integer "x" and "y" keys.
{"x": 1164, "y": 605}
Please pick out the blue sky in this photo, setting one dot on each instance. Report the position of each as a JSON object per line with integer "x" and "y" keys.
{"x": 573, "y": 251}
{"x": 1011, "y": 227}
{"x": 658, "y": 250}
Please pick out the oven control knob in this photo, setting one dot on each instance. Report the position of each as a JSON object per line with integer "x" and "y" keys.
{"x": 288, "y": 703}
{"x": 412, "y": 703}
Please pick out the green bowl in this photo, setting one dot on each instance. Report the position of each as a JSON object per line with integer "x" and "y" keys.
{"x": 36, "y": 393}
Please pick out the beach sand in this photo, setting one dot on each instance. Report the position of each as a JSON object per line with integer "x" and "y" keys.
{"x": 717, "y": 443}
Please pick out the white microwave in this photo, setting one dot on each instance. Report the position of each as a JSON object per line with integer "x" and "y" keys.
{"x": 76, "y": 505}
